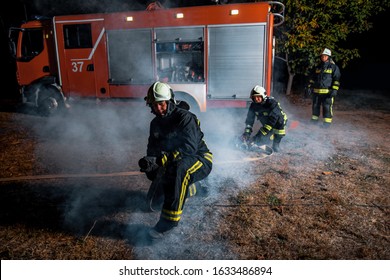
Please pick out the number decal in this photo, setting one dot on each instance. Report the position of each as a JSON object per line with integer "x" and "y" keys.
{"x": 77, "y": 66}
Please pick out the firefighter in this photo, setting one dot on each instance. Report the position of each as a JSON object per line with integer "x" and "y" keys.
{"x": 269, "y": 112}
{"x": 176, "y": 144}
{"x": 323, "y": 85}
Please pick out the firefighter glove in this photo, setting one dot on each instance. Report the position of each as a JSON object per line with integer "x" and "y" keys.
{"x": 333, "y": 93}
{"x": 245, "y": 136}
{"x": 308, "y": 91}
{"x": 147, "y": 164}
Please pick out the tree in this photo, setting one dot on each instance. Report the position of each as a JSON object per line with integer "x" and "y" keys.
{"x": 310, "y": 25}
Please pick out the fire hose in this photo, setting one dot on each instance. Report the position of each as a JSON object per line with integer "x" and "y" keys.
{"x": 65, "y": 176}
{"x": 118, "y": 174}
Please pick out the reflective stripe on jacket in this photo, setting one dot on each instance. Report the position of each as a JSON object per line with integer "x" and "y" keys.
{"x": 326, "y": 77}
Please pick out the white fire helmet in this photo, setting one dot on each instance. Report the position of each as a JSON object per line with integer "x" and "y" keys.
{"x": 158, "y": 92}
{"x": 258, "y": 91}
{"x": 327, "y": 52}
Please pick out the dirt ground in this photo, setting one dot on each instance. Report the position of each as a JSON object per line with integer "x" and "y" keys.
{"x": 70, "y": 187}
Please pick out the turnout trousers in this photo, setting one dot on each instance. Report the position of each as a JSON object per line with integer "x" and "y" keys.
{"x": 178, "y": 177}
{"x": 327, "y": 107}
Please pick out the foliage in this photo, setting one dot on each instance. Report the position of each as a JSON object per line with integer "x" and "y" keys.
{"x": 310, "y": 26}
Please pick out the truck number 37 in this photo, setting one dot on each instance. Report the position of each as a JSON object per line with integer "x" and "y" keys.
{"x": 77, "y": 66}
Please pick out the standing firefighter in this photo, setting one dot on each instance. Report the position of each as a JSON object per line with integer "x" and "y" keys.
{"x": 268, "y": 111}
{"x": 176, "y": 145}
{"x": 323, "y": 85}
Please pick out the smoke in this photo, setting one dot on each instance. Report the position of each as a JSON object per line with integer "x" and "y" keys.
{"x": 92, "y": 139}
{"x": 221, "y": 127}
{"x": 111, "y": 137}
{"x": 105, "y": 137}
{"x": 229, "y": 176}
{"x": 90, "y": 134}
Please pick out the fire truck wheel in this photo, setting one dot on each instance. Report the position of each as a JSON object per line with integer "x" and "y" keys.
{"x": 194, "y": 107}
{"x": 48, "y": 107}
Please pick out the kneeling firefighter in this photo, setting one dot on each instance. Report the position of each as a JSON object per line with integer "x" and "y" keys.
{"x": 176, "y": 145}
{"x": 273, "y": 120}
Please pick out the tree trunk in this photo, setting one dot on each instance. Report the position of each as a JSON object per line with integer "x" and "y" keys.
{"x": 290, "y": 77}
{"x": 289, "y": 82}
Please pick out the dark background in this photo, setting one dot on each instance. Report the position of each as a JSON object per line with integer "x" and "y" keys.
{"x": 368, "y": 72}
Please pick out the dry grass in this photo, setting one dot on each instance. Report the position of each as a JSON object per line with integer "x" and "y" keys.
{"x": 325, "y": 197}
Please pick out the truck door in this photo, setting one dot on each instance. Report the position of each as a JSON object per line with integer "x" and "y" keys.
{"x": 30, "y": 46}
{"x": 83, "y": 58}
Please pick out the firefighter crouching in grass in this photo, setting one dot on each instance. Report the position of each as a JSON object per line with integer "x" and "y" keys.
{"x": 176, "y": 144}
{"x": 323, "y": 86}
{"x": 268, "y": 111}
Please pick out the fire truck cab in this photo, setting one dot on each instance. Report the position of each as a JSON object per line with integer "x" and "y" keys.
{"x": 211, "y": 56}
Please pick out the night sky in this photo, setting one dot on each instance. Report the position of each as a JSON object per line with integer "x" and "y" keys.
{"x": 368, "y": 72}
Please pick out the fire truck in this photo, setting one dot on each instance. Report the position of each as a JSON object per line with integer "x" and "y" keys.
{"x": 211, "y": 56}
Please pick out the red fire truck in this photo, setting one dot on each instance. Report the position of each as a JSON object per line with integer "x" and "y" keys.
{"x": 211, "y": 56}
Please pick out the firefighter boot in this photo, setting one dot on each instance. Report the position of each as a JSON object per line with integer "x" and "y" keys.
{"x": 199, "y": 189}
{"x": 202, "y": 188}
{"x": 161, "y": 229}
{"x": 276, "y": 142}
{"x": 276, "y": 147}
{"x": 314, "y": 120}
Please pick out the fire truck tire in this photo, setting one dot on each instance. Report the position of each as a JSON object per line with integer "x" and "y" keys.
{"x": 48, "y": 107}
{"x": 194, "y": 107}
{"x": 50, "y": 100}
